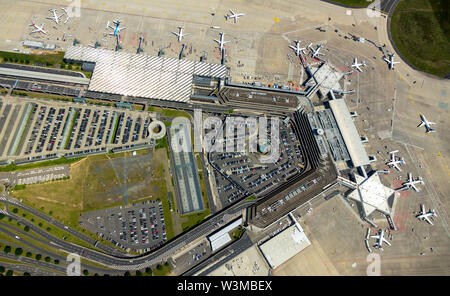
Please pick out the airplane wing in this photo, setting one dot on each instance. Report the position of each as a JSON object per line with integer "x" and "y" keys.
{"x": 428, "y": 220}
{"x": 387, "y": 60}
{"x": 176, "y": 34}
{"x": 401, "y": 189}
{"x": 375, "y": 236}
{"x": 397, "y": 167}
{"x": 386, "y": 241}
{"x": 414, "y": 187}
{"x": 120, "y": 29}
{"x": 232, "y": 12}
{"x": 422, "y": 209}
{"x": 217, "y": 41}
{"x": 421, "y": 124}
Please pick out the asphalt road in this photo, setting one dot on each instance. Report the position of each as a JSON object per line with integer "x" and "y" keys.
{"x": 136, "y": 262}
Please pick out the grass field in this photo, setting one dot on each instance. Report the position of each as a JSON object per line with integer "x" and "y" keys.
{"x": 12, "y": 167}
{"x": 353, "y": 3}
{"x": 421, "y": 32}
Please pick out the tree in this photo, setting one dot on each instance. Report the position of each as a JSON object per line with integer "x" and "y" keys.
{"x": 18, "y": 251}
{"x": 56, "y": 261}
{"x": 7, "y": 249}
{"x": 28, "y": 254}
{"x": 38, "y": 257}
{"x": 2, "y": 216}
{"x": 138, "y": 273}
{"x": 47, "y": 259}
{"x": 166, "y": 264}
{"x": 26, "y": 274}
{"x": 159, "y": 267}
{"x": 85, "y": 272}
{"x": 9, "y": 272}
{"x": 127, "y": 273}
{"x": 148, "y": 271}
{"x": 40, "y": 224}
{"x": 2, "y": 269}
{"x": 15, "y": 210}
{"x": 48, "y": 229}
{"x": 50, "y": 213}
{"x": 26, "y": 228}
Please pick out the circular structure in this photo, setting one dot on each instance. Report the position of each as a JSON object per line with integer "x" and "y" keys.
{"x": 319, "y": 131}
{"x": 156, "y": 130}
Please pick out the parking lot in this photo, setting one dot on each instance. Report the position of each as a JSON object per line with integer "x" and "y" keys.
{"x": 33, "y": 129}
{"x": 140, "y": 227}
{"x": 235, "y": 171}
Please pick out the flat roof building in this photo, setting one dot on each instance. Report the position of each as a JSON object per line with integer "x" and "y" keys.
{"x": 142, "y": 75}
{"x": 284, "y": 245}
{"x": 349, "y": 133}
{"x": 372, "y": 195}
{"x": 222, "y": 237}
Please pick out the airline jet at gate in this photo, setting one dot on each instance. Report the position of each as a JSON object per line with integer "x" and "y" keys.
{"x": 423, "y": 215}
{"x": 357, "y": 66}
{"x": 394, "y": 161}
{"x": 410, "y": 183}
{"x": 427, "y": 124}
{"x": 116, "y": 29}
{"x": 315, "y": 52}
{"x": 297, "y": 48}
{"x": 221, "y": 41}
{"x": 55, "y": 17}
{"x": 234, "y": 15}
{"x": 38, "y": 29}
{"x": 391, "y": 61}
{"x": 380, "y": 239}
{"x": 180, "y": 35}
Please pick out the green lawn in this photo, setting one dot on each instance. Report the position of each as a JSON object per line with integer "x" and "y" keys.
{"x": 13, "y": 167}
{"x": 421, "y": 32}
{"x": 353, "y": 3}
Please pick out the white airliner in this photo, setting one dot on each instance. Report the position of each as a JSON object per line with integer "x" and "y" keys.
{"x": 297, "y": 47}
{"x": 65, "y": 11}
{"x": 391, "y": 61}
{"x": 380, "y": 239}
{"x": 37, "y": 29}
{"x": 234, "y": 15}
{"x": 55, "y": 17}
{"x": 180, "y": 35}
{"x": 357, "y": 66}
{"x": 315, "y": 52}
{"x": 427, "y": 124}
{"x": 410, "y": 183}
{"x": 395, "y": 161}
{"x": 221, "y": 41}
{"x": 423, "y": 215}
{"x": 116, "y": 29}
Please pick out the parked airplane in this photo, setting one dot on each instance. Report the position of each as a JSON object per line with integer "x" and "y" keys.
{"x": 65, "y": 11}
{"x": 357, "y": 66}
{"x": 297, "y": 48}
{"x": 423, "y": 215}
{"x": 234, "y": 15}
{"x": 427, "y": 124}
{"x": 55, "y": 17}
{"x": 116, "y": 29}
{"x": 315, "y": 52}
{"x": 380, "y": 239}
{"x": 391, "y": 61}
{"x": 221, "y": 41}
{"x": 37, "y": 29}
{"x": 180, "y": 34}
{"x": 394, "y": 161}
{"x": 410, "y": 183}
